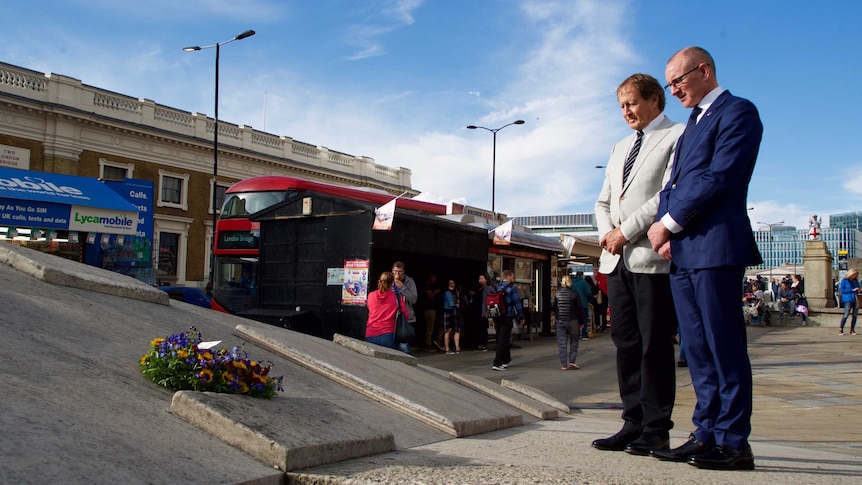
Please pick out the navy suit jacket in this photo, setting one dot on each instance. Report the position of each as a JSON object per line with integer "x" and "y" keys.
{"x": 708, "y": 188}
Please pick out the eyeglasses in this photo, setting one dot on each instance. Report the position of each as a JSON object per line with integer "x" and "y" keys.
{"x": 678, "y": 81}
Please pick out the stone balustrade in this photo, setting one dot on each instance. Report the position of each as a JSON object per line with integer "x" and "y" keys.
{"x": 66, "y": 93}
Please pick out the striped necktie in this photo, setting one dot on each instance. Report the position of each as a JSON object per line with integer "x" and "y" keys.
{"x": 633, "y": 155}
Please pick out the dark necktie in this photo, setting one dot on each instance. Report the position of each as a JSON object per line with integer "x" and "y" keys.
{"x": 692, "y": 119}
{"x": 633, "y": 154}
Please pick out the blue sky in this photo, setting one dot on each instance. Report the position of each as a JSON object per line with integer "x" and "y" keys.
{"x": 399, "y": 80}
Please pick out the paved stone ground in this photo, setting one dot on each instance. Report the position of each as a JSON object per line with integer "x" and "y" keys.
{"x": 807, "y": 382}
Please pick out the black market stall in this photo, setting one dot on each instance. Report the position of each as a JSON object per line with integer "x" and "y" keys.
{"x": 319, "y": 258}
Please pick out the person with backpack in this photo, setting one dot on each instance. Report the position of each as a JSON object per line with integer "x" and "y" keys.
{"x": 511, "y": 311}
{"x": 568, "y": 313}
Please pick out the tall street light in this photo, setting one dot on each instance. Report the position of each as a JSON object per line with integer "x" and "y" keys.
{"x": 246, "y": 34}
{"x": 494, "y": 155}
{"x": 795, "y": 250}
{"x": 771, "y": 241}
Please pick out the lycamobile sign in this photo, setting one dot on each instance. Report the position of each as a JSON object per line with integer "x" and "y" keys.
{"x": 117, "y": 221}
{"x": 40, "y": 185}
{"x": 52, "y": 200}
{"x": 102, "y": 220}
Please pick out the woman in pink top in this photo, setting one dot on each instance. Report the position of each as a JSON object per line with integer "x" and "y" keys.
{"x": 382, "y": 304}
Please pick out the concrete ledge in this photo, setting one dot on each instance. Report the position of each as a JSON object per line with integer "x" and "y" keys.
{"x": 351, "y": 381}
{"x": 64, "y": 272}
{"x": 389, "y": 382}
{"x": 508, "y": 396}
{"x": 283, "y": 432}
{"x": 536, "y": 394}
{"x": 372, "y": 350}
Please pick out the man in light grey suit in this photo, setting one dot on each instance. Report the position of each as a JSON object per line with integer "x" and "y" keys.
{"x": 639, "y": 296}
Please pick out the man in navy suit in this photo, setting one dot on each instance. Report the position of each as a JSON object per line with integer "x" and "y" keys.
{"x": 702, "y": 227}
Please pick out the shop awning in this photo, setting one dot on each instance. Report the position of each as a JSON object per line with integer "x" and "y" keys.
{"x": 521, "y": 238}
{"x": 56, "y": 201}
{"x": 580, "y": 247}
{"x": 527, "y": 239}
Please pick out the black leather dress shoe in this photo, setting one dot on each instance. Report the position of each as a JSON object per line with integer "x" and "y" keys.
{"x": 617, "y": 442}
{"x": 690, "y": 448}
{"x": 724, "y": 458}
{"x": 650, "y": 440}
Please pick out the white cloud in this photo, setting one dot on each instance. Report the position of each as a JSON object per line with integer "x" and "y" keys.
{"x": 564, "y": 90}
{"x": 767, "y": 212}
{"x": 385, "y": 17}
{"x": 403, "y": 10}
{"x": 853, "y": 185}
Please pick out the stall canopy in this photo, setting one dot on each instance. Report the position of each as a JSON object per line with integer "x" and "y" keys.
{"x": 528, "y": 239}
{"x": 57, "y": 201}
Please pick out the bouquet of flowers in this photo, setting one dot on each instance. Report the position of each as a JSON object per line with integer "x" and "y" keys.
{"x": 177, "y": 363}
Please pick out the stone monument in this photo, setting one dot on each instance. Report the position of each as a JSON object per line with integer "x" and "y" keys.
{"x": 817, "y": 261}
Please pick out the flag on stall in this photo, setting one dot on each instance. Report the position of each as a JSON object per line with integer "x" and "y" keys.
{"x": 503, "y": 234}
{"x": 384, "y": 215}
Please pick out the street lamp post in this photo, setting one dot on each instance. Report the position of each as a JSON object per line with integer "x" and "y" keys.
{"x": 771, "y": 241}
{"x": 246, "y": 34}
{"x": 795, "y": 250}
{"x": 494, "y": 155}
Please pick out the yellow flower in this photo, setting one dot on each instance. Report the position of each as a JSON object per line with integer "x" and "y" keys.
{"x": 227, "y": 377}
{"x": 206, "y": 375}
{"x": 243, "y": 388}
{"x": 144, "y": 359}
{"x": 183, "y": 353}
{"x": 156, "y": 341}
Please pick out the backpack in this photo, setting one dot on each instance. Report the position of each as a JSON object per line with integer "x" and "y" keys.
{"x": 496, "y": 302}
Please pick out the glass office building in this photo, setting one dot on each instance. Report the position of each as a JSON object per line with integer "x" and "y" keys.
{"x": 554, "y": 225}
{"x": 783, "y": 245}
{"x": 848, "y": 220}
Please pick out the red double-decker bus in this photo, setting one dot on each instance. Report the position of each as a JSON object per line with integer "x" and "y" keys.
{"x": 237, "y": 248}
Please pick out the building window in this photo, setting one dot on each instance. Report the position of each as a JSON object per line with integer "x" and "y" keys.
{"x": 109, "y": 170}
{"x": 173, "y": 190}
{"x": 169, "y": 249}
{"x": 220, "y": 193}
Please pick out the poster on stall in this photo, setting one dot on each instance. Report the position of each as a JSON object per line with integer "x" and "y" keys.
{"x": 334, "y": 276}
{"x": 503, "y": 234}
{"x": 383, "y": 216}
{"x": 354, "y": 291}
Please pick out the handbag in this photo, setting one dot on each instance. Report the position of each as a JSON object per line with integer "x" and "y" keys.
{"x": 403, "y": 330}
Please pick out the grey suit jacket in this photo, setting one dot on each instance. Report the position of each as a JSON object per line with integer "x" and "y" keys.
{"x": 633, "y": 207}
